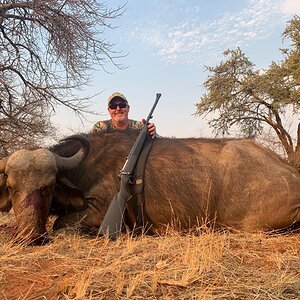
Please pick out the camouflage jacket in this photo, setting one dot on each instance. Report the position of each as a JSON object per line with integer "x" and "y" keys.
{"x": 108, "y": 125}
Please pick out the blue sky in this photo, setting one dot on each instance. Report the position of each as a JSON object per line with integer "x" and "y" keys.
{"x": 168, "y": 43}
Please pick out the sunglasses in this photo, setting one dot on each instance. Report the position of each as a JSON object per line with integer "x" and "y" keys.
{"x": 113, "y": 105}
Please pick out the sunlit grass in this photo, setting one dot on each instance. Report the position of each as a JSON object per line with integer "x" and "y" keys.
{"x": 209, "y": 266}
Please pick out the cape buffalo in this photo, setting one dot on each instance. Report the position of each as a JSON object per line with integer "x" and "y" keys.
{"x": 188, "y": 182}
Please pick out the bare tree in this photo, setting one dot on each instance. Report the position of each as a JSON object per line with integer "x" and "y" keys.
{"x": 47, "y": 50}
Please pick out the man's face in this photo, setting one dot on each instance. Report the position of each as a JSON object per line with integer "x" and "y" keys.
{"x": 118, "y": 113}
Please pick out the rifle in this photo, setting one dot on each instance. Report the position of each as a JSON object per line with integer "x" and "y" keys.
{"x": 113, "y": 219}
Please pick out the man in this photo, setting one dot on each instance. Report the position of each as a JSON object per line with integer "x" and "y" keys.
{"x": 118, "y": 109}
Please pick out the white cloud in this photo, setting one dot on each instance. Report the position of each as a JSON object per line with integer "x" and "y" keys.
{"x": 291, "y": 7}
{"x": 186, "y": 41}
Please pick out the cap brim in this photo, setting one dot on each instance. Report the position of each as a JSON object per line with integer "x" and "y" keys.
{"x": 117, "y": 98}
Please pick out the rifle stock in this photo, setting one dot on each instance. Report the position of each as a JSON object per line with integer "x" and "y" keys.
{"x": 111, "y": 225}
{"x": 113, "y": 219}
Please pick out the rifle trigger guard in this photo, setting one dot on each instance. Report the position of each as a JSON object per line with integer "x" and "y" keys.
{"x": 131, "y": 180}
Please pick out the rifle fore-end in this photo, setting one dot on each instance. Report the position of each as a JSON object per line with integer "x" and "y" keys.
{"x": 134, "y": 152}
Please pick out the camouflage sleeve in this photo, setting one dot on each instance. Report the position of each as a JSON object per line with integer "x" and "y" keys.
{"x": 100, "y": 126}
{"x": 135, "y": 124}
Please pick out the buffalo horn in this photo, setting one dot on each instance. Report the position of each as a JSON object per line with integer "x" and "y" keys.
{"x": 67, "y": 163}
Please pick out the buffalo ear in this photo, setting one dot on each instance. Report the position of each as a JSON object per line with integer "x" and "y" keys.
{"x": 67, "y": 197}
{"x": 5, "y": 203}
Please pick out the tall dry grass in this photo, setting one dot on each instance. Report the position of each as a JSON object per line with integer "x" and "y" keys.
{"x": 209, "y": 266}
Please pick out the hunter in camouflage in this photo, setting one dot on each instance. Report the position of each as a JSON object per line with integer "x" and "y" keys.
{"x": 118, "y": 109}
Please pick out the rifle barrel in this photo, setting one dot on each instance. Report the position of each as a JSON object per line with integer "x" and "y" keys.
{"x": 158, "y": 95}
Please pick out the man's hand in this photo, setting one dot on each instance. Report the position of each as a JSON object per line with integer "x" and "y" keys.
{"x": 151, "y": 128}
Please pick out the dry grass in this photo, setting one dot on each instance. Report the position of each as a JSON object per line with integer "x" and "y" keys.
{"x": 209, "y": 266}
